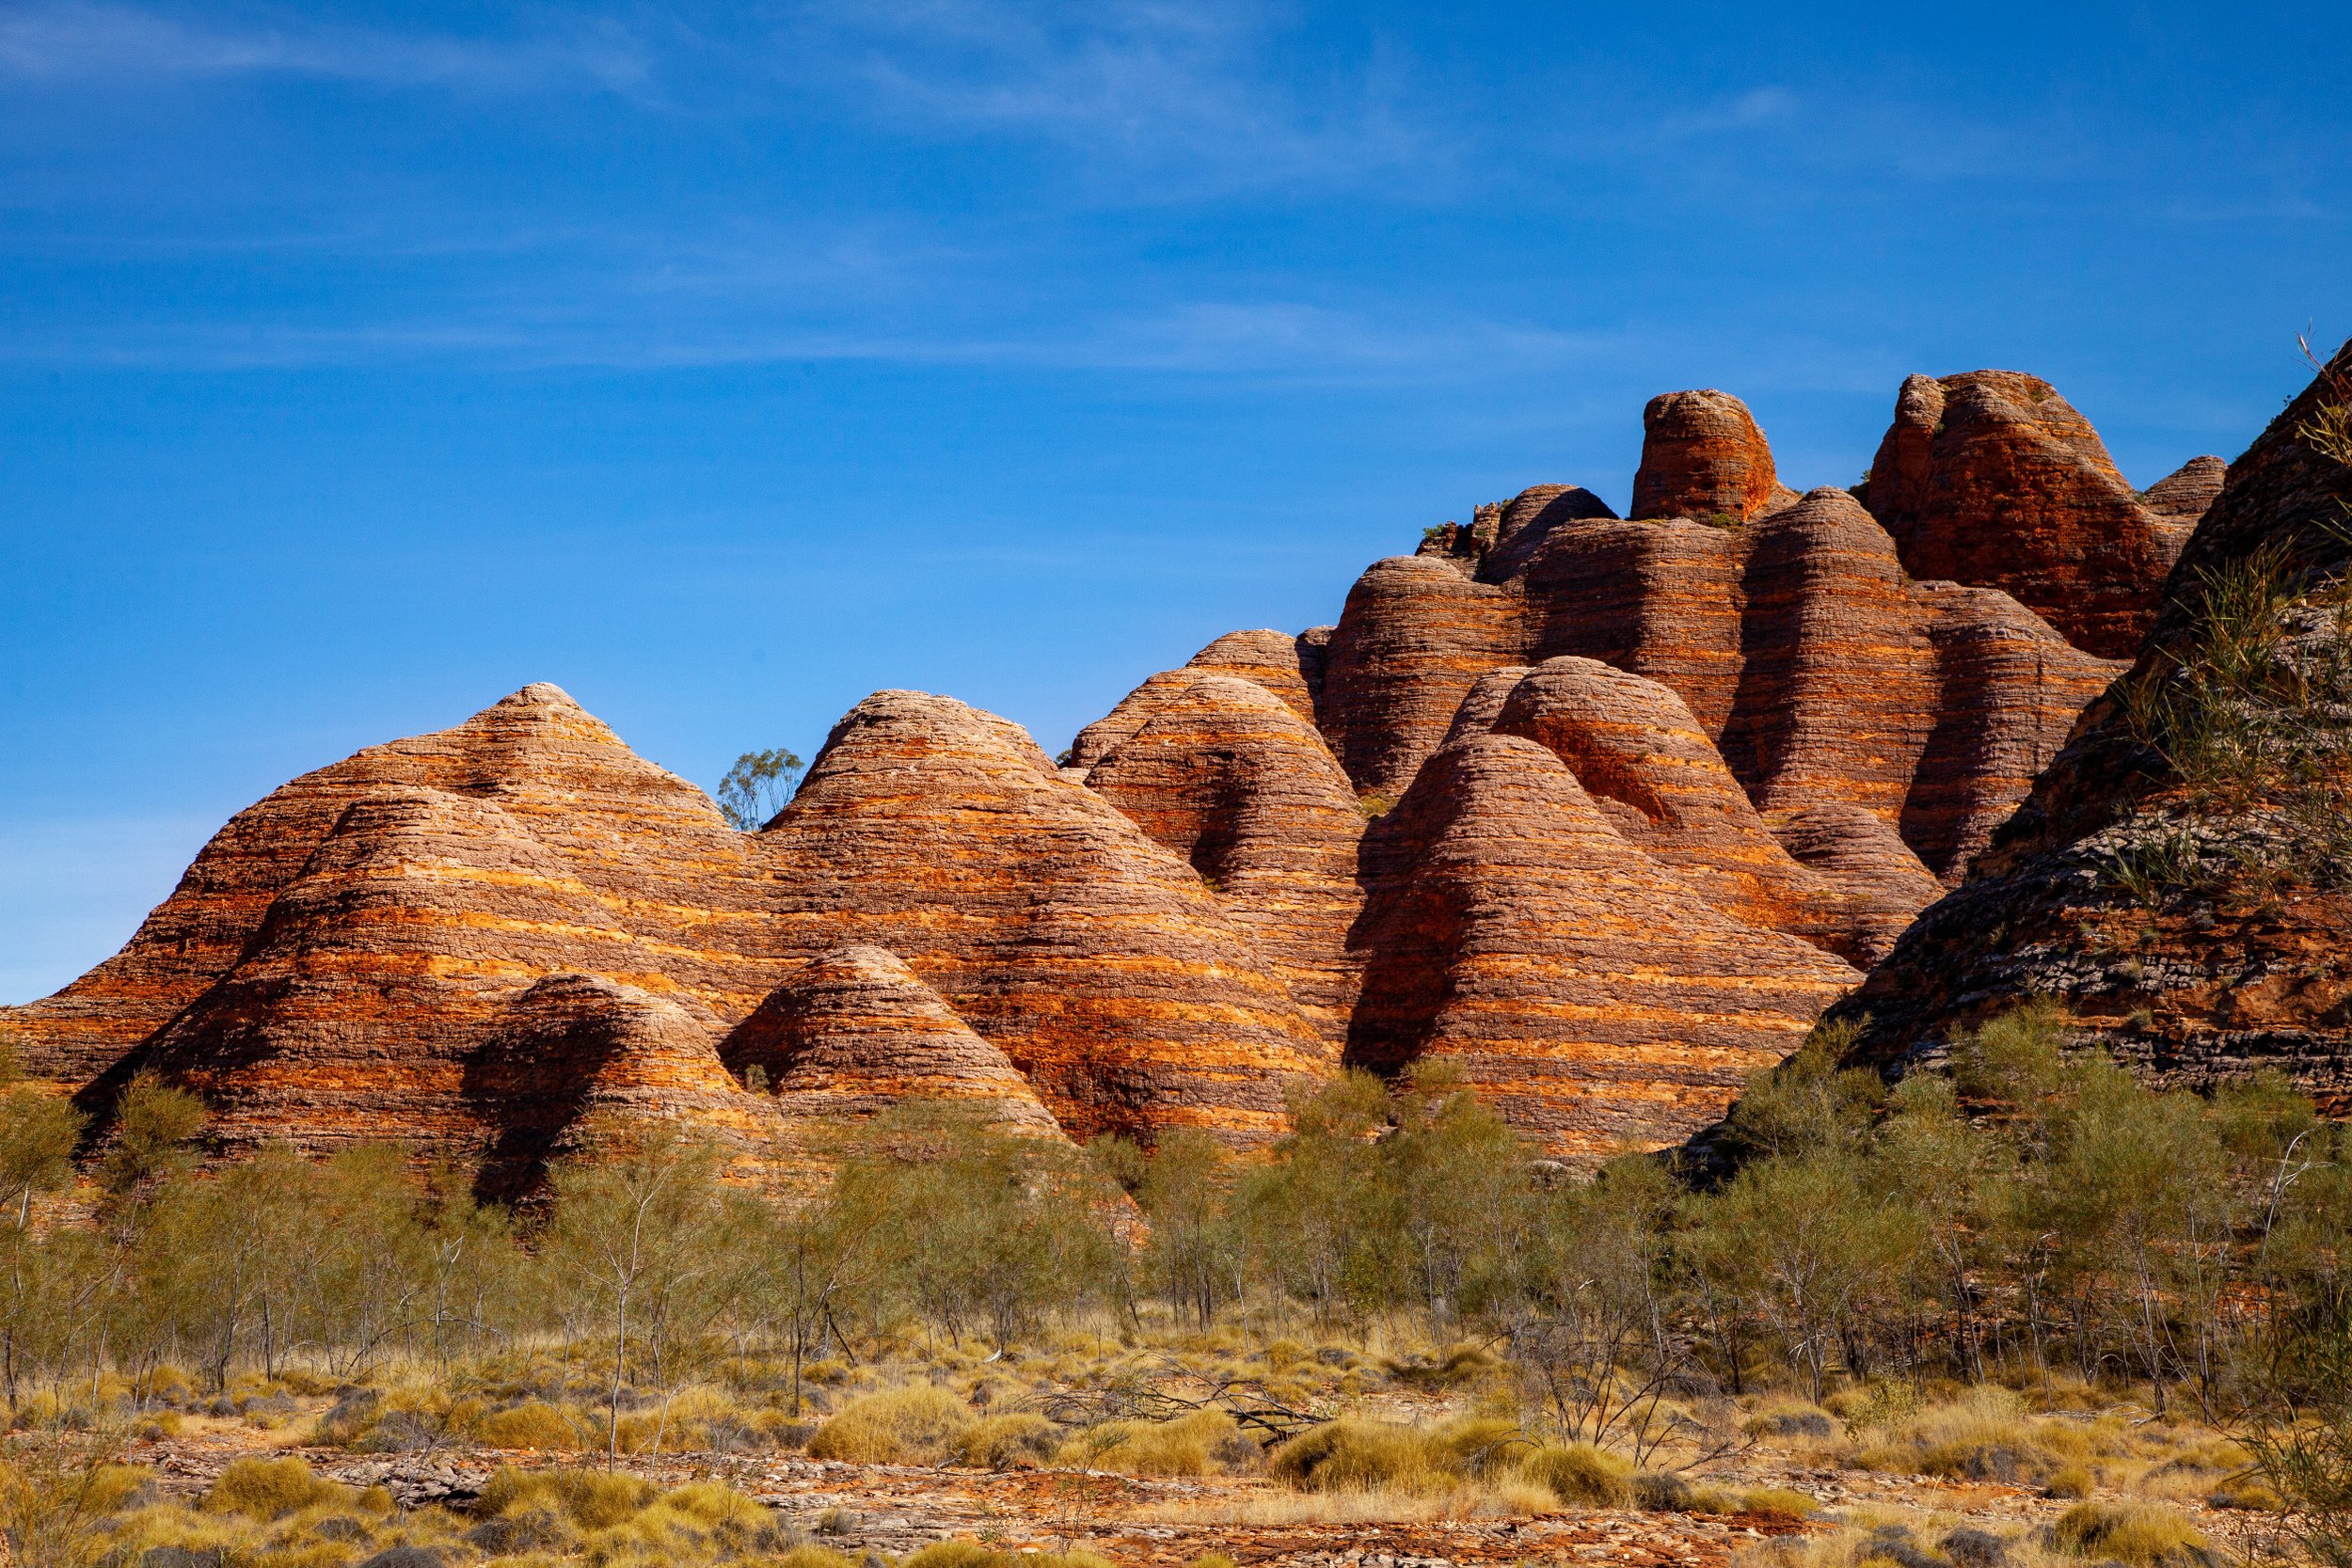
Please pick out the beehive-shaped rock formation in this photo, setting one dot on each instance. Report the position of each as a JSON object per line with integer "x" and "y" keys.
{"x": 1092, "y": 956}
{"x": 1992, "y": 480}
{"x": 1594, "y": 994}
{"x": 1704, "y": 457}
{"x": 1228, "y": 777}
{"x": 855, "y": 1032}
{"x": 1812, "y": 662}
{"x": 1598, "y": 807}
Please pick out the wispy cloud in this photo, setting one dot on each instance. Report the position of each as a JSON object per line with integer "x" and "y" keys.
{"x": 1754, "y": 109}
{"x": 72, "y": 42}
{"x": 719, "y": 308}
{"x": 1189, "y": 92}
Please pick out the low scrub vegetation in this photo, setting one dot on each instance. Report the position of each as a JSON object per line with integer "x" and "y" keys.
{"x": 2034, "y": 1276}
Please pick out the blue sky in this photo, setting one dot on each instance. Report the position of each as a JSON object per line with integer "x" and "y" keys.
{"x": 360, "y": 363}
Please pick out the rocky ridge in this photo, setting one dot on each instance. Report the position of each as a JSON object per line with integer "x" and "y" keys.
{"x": 1603, "y": 810}
{"x": 2186, "y": 911}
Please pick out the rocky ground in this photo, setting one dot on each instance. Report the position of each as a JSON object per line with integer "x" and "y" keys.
{"x": 890, "y": 1510}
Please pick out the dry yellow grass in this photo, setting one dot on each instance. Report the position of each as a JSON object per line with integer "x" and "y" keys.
{"x": 1580, "y": 1474}
{"x": 1005, "y": 1442}
{"x": 916, "y": 1425}
{"x": 1205, "y": 1442}
{"x": 2146, "y": 1535}
{"x": 268, "y": 1489}
{"x": 1353, "y": 1454}
{"x": 536, "y": 1424}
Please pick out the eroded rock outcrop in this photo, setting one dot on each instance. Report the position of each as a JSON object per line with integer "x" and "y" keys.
{"x": 855, "y": 1032}
{"x": 624, "y": 833}
{"x": 1815, "y": 666}
{"x": 576, "y": 1054}
{"x": 1595, "y": 995}
{"x": 470, "y": 941}
{"x": 1092, "y": 956}
{"x": 1415, "y": 637}
{"x": 1597, "y": 807}
{"x": 1703, "y": 457}
{"x": 2189, "y": 920}
{"x": 1992, "y": 480}
{"x": 2182, "y": 497}
{"x": 1641, "y": 758}
{"x": 1227, "y": 776}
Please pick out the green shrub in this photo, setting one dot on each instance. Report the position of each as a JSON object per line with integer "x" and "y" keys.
{"x": 917, "y": 1425}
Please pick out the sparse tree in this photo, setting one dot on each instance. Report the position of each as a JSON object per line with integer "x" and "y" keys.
{"x": 758, "y": 786}
{"x": 636, "y": 1226}
{"x": 156, "y": 1127}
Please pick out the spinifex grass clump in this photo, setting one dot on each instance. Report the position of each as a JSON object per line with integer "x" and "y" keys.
{"x": 1207, "y": 1442}
{"x": 918, "y": 1425}
{"x": 1985, "y": 1435}
{"x": 1353, "y": 1454}
{"x": 2145, "y": 1535}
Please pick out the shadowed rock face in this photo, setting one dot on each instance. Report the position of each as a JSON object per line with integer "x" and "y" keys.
{"x": 2182, "y": 497}
{"x": 1992, "y": 480}
{"x": 1642, "y": 759}
{"x": 1703, "y": 458}
{"x": 575, "y": 1048}
{"x": 1881, "y": 883}
{"x": 2194, "y": 979}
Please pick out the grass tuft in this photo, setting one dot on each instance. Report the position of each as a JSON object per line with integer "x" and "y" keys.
{"x": 1580, "y": 1474}
{"x": 2145, "y": 1535}
{"x": 268, "y": 1489}
{"x": 1010, "y": 1442}
{"x": 915, "y": 1425}
{"x": 1353, "y": 1454}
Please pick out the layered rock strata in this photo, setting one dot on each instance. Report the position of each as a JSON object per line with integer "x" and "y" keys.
{"x": 2182, "y": 497}
{"x": 1598, "y": 808}
{"x": 1811, "y": 661}
{"x": 855, "y": 1032}
{"x": 2192, "y": 925}
{"x": 1596, "y": 997}
{"x": 1704, "y": 457}
{"x": 365, "y": 954}
{"x": 1641, "y": 758}
{"x": 1093, "y": 957}
{"x": 1992, "y": 480}
{"x": 1228, "y": 777}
